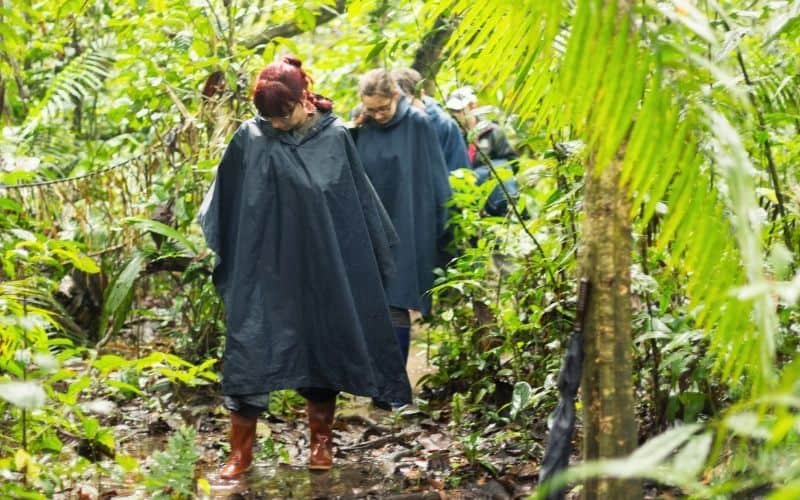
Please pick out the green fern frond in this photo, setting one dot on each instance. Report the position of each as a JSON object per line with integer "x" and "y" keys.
{"x": 82, "y": 76}
{"x": 786, "y": 22}
{"x": 779, "y": 93}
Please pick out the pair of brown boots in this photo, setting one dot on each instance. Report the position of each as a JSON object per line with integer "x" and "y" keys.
{"x": 243, "y": 437}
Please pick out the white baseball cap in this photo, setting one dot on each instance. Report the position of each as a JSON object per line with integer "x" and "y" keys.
{"x": 460, "y": 98}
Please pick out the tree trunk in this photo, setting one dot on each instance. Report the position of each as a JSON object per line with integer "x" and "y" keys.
{"x": 428, "y": 58}
{"x": 609, "y": 424}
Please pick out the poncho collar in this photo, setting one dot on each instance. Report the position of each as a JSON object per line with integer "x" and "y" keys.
{"x": 286, "y": 137}
{"x": 402, "y": 110}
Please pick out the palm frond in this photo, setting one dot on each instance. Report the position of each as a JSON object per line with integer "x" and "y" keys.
{"x": 589, "y": 68}
{"x": 779, "y": 93}
{"x": 786, "y": 22}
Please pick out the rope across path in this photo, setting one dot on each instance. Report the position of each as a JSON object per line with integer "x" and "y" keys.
{"x": 66, "y": 180}
{"x": 125, "y": 184}
{"x": 89, "y": 201}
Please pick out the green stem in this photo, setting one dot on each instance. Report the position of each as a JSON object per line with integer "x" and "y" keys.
{"x": 517, "y": 215}
{"x": 771, "y": 167}
{"x": 25, "y": 375}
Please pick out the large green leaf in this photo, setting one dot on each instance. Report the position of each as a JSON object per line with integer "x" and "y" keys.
{"x": 164, "y": 230}
{"x": 650, "y": 461}
{"x": 119, "y": 296}
{"x": 520, "y": 398}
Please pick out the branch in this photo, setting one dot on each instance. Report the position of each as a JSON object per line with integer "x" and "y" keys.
{"x": 290, "y": 29}
{"x": 173, "y": 264}
{"x": 403, "y": 437}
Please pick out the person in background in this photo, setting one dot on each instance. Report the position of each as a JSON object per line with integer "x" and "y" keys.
{"x": 447, "y": 130}
{"x": 303, "y": 246}
{"x": 487, "y": 142}
{"x": 401, "y": 155}
{"x": 482, "y": 135}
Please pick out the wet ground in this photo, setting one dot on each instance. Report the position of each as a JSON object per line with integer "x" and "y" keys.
{"x": 405, "y": 454}
{"x": 379, "y": 454}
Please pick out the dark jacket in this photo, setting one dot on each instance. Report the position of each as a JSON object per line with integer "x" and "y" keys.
{"x": 490, "y": 139}
{"x": 302, "y": 240}
{"x": 405, "y": 163}
{"x": 450, "y": 138}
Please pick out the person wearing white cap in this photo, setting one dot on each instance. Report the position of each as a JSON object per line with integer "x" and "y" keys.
{"x": 482, "y": 135}
{"x": 461, "y": 99}
{"x": 485, "y": 140}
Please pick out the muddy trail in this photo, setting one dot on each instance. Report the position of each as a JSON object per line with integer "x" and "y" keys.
{"x": 406, "y": 454}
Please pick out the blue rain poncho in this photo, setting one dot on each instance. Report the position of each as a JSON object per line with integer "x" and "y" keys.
{"x": 454, "y": 148}
{"x": 302, "y": 243}
{"x": 405, "y": 163}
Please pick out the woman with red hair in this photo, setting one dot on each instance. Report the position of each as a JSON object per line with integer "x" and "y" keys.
{"x": 303, "y": 245}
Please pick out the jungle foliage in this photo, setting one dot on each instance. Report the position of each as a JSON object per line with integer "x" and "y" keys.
{"x": 114, "y": 114}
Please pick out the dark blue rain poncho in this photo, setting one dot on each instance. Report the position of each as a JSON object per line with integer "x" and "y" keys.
{"x": 451, "y": 140}
{"x": 302, "y": 241}
{"x": 405, "y": 163}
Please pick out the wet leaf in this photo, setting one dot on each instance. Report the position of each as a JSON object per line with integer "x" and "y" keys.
{"x": 21, "y": 459}
{"x": 520, "y": 398}
{"x": 106, "y": 438}
{"x": 127, "y": 462}
{"x": 110, "y": 362}
{"x": 164, "y": 230}
{"x": 80, "y": 261}
{"x": 125, "y": 387}
{"x": 690, "y": 460}
{"x": 118, "y": 299}
{"x": 204, "y": 486}
{"x": 660, "y": 447}
{"x": 27, "y": 395}
{"x": 376, "y": 49}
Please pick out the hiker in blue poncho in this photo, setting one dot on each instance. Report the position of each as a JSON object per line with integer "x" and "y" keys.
{"x": 303, "y": 246}
{"x": 402, "y": 157}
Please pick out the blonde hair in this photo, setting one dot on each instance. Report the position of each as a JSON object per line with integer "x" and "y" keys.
{"x": 377, "y": 82}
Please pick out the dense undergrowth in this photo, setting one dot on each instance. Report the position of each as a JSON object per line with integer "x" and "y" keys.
{"x": 114, "y": 115}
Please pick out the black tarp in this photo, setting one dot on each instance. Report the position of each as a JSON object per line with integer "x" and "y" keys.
{"x": 562, "y": 420}
{"x": 302, "y": 241}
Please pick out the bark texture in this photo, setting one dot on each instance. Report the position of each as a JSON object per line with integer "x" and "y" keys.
{"x": 428, "y": 57}
{"x": 288, "y": 30}
{"x": 609, "y": 423}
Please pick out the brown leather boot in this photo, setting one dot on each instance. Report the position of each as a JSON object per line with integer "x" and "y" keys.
{"x": 243, "y": 436}
{"x": 320, "y": 420}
